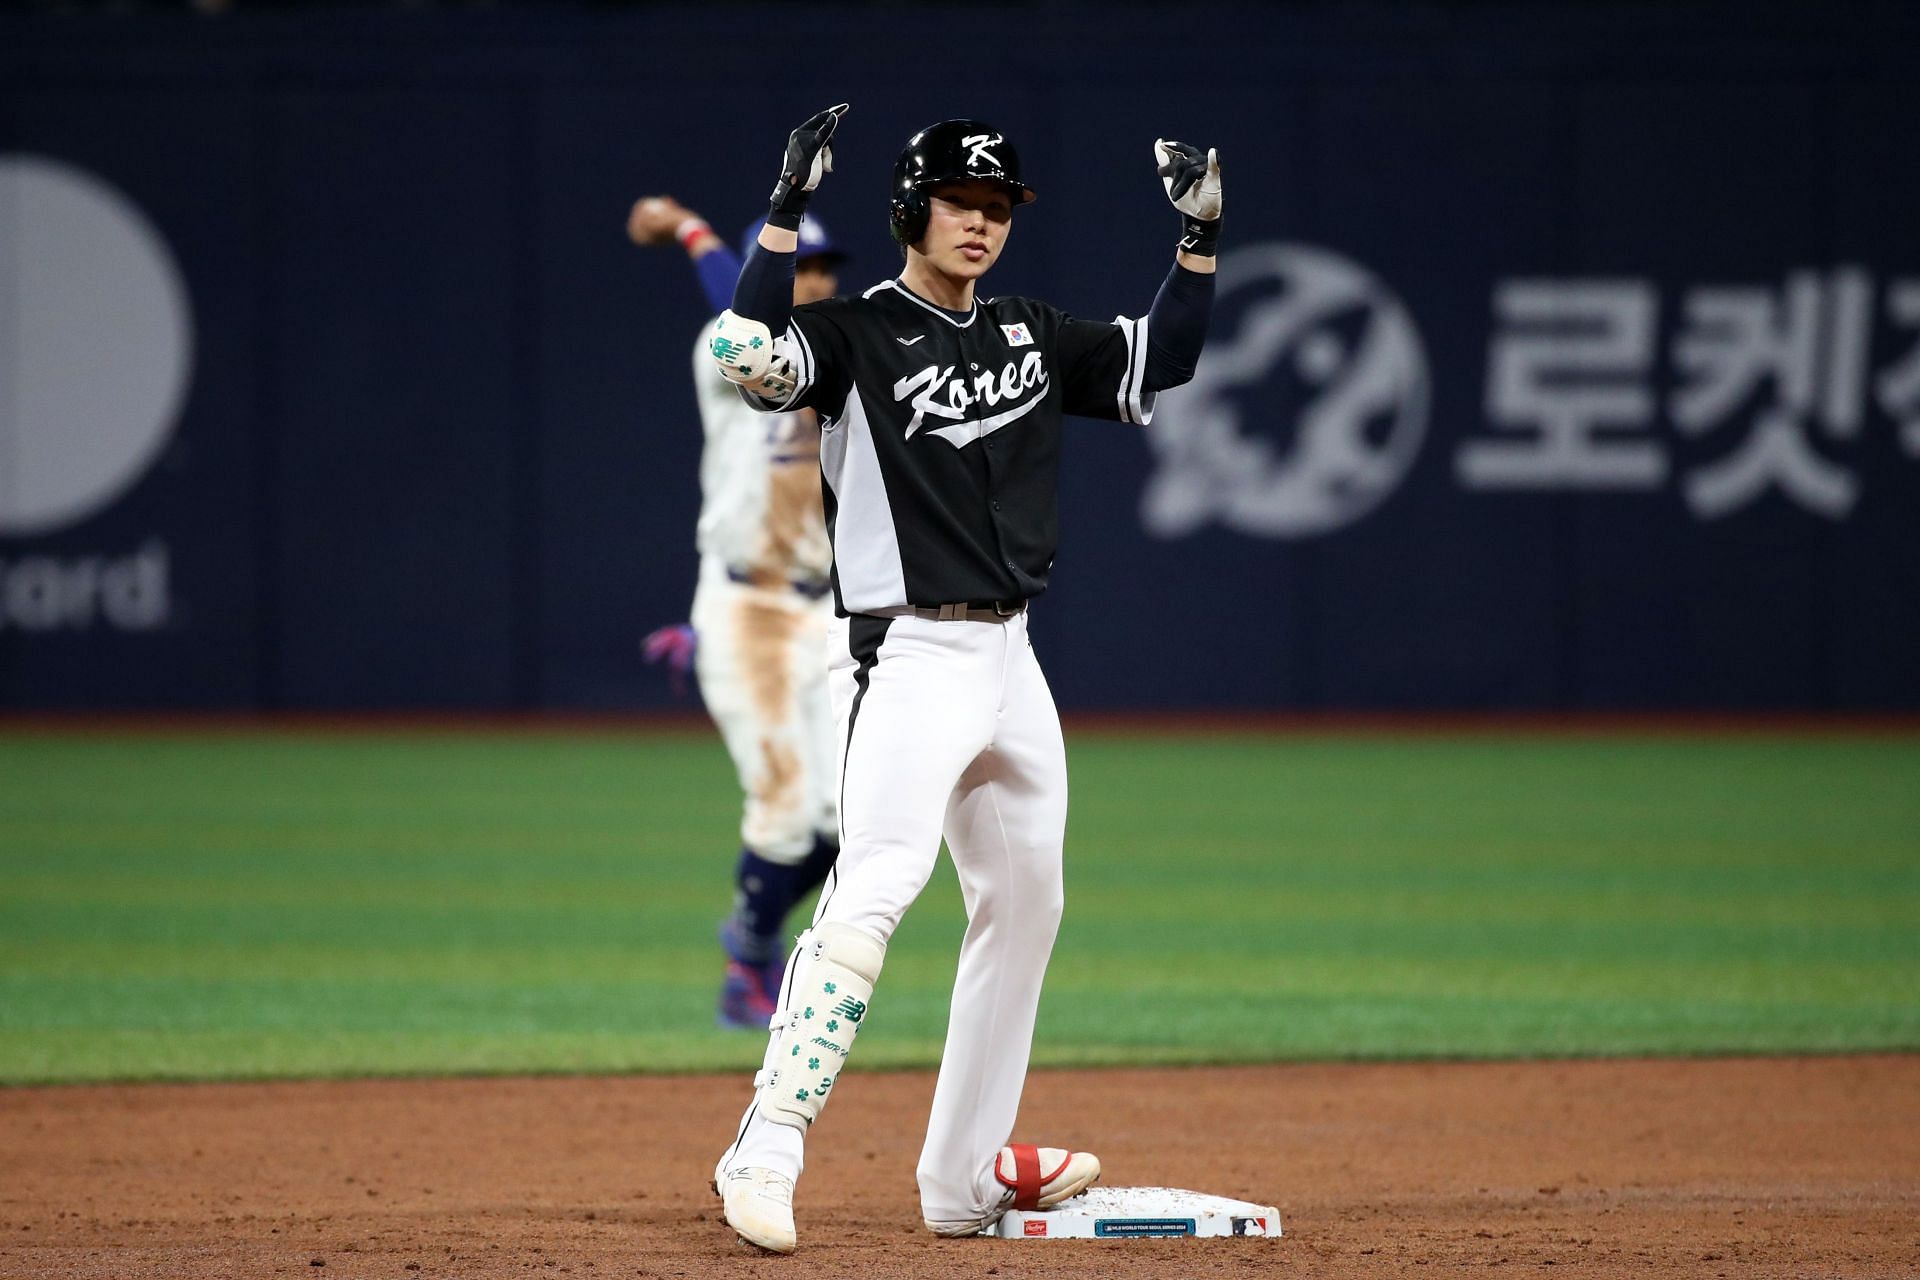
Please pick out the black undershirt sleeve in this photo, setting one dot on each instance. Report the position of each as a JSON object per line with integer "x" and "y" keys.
{"x": 1177, "y": 327}
{"x": 764, "y": 291}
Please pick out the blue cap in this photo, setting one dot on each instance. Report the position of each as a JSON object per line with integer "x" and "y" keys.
{"x": 814, "y": 240}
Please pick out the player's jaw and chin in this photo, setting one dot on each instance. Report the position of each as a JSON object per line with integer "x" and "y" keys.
{"x": 967, "y": 225}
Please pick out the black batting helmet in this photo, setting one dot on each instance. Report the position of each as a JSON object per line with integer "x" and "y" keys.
{"x": 951, "y": 151}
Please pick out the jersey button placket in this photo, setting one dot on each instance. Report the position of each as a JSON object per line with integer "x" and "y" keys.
{"x": 993, "y": 475}
{"x": 994, "y": 503}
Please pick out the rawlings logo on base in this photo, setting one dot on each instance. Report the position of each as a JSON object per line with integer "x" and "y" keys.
{"x": 1035, "y": 1227}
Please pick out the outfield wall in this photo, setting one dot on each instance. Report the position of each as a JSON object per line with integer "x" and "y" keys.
{"x": 1567, "y": 357}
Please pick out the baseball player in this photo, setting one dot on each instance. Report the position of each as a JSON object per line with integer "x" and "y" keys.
{"x": 940, "y": 414}
{"x": 760, "y": 614}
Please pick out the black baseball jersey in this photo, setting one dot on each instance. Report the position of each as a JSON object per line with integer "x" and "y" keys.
{"x": 940, "y": 439}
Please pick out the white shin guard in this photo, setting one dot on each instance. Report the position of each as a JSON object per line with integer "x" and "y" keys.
{"x": 834, "y": 967}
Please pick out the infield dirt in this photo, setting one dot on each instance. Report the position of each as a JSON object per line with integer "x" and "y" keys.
{"x": 1737, "y": 1168}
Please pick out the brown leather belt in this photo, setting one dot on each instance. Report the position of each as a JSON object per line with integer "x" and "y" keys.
{"x": 998, "y": 611}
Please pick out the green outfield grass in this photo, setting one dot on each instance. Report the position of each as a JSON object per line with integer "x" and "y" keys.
{"x": 241, "y": 905}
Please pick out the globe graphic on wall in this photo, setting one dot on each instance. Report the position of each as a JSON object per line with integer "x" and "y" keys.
{"x": 1307, "y": 410}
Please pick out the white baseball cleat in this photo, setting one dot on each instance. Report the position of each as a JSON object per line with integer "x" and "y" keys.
{"x": 1034, "y": 1178}
{"x": 759, "y": 1205}
{"x": 1041, "y": 1177}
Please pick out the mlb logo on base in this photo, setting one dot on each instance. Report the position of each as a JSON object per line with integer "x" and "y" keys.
{"x": 1017, "y": 335}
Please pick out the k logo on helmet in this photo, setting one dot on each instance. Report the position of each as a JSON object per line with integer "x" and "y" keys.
{"x": 1307, "y": 409}
{"x": 977, "y": 153}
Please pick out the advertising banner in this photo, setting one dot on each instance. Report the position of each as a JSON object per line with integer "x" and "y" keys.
{"x": 1565, "y": 362}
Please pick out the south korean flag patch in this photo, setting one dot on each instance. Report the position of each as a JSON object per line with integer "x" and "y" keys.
{"x": 1018, "y": 335}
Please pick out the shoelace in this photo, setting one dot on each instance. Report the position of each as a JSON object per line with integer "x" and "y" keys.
{"x": 778, "y": 1184}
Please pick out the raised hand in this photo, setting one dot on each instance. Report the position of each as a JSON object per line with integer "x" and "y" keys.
{"x": 1192, "y": 179}
{"x": 808, "y": 159}
{"x": 655, "y": 219}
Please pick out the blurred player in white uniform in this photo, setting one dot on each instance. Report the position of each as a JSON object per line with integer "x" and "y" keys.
{"x": 759, "y": 623}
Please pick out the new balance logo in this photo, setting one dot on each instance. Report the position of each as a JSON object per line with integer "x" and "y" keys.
{"x": 850, "y": 1009}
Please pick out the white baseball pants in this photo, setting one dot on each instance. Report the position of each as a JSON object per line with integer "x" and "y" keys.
{"x": 761, "y": 665}
{"x": 948, "y": 728}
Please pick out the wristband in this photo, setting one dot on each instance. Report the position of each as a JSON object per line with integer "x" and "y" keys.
{"x": 1199, "y": 237}
{"x": 691, "y": 230}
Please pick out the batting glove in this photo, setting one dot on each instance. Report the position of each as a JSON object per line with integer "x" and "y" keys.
{"x": 808, "y": 159}
{"x": 1192, "y": 179}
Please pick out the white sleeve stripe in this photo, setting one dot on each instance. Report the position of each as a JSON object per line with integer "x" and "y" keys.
{"x": 1137, "y": 370}
{"x": 803, "y": 367}
{"x": 802, "y": 357}
{"x": 1128, "y": 398}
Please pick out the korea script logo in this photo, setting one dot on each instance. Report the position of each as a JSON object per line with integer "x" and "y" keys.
{"x": 936, "y": 392}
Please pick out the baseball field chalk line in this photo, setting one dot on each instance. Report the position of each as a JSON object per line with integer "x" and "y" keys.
{"x": 1140, "y": 1213}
